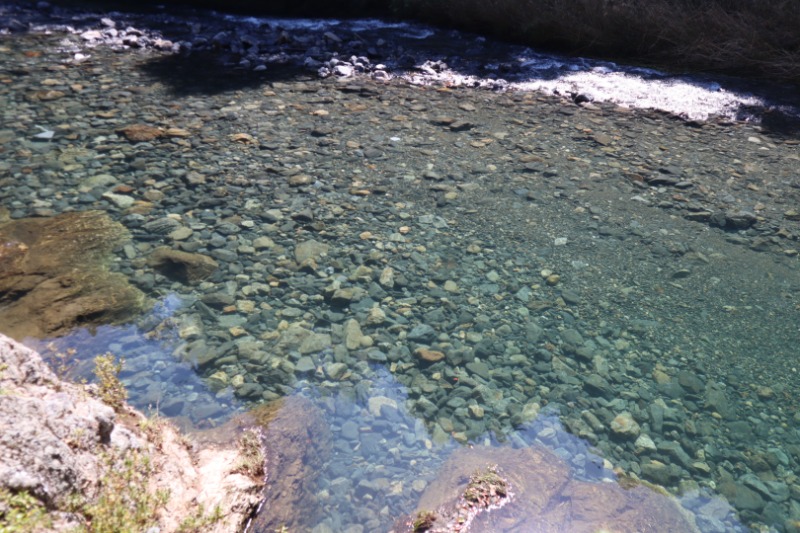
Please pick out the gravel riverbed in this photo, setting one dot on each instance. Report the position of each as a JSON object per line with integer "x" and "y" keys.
{"x": 432, "y": 261}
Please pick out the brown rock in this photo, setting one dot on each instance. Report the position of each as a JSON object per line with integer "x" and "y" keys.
{"x": 140, "y": 132}
{"x": 298, "y": 443}
{"x": 140, "y": 207}
{"x": 243, "y": 138}
{"x": 123, "y": 189}
{"x": 624, "y": 425}
{"x": 603, "y": 139}
{"x": 182, "y": 266}
{"x": 426, "y": 354}
{"x": 310, "y": 249}
{"x": 543, "y": 497}
{"x": 298, "y": 180}
{"x": 177, "y": 132}
{"x": 53, "y": 275}
{"x": 45, "y": 95}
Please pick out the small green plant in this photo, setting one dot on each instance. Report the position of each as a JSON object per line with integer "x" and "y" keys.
{"x": 423, "y": 521}
{"x": 112, "y": 391}
{"x": 124, "y": 504}
{"x": 22, "y": 512}
{"x": 200, "y": 520}
{"x": 3, "y": 368}
{"x": 76, "y": 438}
{"x": 486, "y": 488}
{"x": 251, "y": 454}
{"x": 153, "y": 428}
{"x": 62, "y": 361}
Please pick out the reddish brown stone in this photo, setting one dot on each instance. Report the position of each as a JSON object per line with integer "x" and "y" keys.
{"x": 140, "y": 132}
{"x": 542, "y": 496}
{"x": 182, "y": 266}
{"x": 426, "y": 354}
{"x": 44, "y": 96}
{"x": 298, "y": 443}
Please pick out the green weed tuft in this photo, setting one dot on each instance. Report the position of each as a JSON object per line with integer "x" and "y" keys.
{"x": 124, "y": 504}
{"x": 112, "y": 391}
{"x": 22, "y": 512}
{"x": 200, "y": 520}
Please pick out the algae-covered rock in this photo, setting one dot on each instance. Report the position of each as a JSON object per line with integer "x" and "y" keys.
{"x": 54, "y": 276}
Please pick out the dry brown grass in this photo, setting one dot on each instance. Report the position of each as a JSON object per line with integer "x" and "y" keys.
{"x": 747, "y": 37}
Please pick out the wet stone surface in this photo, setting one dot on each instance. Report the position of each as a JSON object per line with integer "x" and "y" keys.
{"x": 432, "y": 267}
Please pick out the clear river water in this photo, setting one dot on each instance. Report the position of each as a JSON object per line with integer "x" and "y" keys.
{"x": 441, "y": 243}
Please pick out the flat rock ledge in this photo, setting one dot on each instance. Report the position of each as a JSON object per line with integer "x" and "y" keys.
{"x": 56, "y": 437}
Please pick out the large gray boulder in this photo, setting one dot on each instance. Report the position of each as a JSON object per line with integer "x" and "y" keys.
{"x": 56, "y": 439}
{"x": 48, "y": 429}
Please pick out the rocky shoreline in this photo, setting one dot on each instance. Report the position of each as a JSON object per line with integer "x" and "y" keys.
{"x": 61, "y": 444}
{"x": 387, "y": 50}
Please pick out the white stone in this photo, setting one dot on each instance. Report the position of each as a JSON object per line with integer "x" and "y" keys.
{"x": 644, "y": 442}
{"x": 120, "y": 200}
{"x": 375, "y": 403}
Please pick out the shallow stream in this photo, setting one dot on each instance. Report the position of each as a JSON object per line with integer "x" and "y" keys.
{"x": 432, "y": 265}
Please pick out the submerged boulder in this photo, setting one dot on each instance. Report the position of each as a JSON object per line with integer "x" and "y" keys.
{"x": 298, "y": 443}
{"x": 54, "y": 275}
{"x": 188, "y": 268}
{"x": 531, "y": 489}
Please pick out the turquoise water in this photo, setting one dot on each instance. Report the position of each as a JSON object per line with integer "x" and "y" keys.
{"x": 437, "y": 269}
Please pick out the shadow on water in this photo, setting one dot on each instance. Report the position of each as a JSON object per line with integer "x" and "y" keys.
{"x": 430, "y": 56}
{"x": 285, "y": 46}
{"x": 208, "y": 73}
